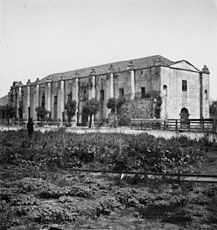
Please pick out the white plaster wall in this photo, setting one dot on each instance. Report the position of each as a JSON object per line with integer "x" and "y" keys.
{"x": 205, "y": 80}
{"x": 184, "y": 65}
{"x": 176, "y": 99}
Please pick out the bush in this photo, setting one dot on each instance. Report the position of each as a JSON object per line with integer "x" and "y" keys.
{"x": 112, "y": 151}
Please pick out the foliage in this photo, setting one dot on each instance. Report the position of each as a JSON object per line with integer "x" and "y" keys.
{"x": 41, "y": 112}
{"x": 157, "y": 109}
{"x": 124, "y": 121}
{"x": 70, "y": 109}
{"x": 115, "y": 104}
{"x": 10, "y": 112}
{"x": 124, "y": 116}
{"x": 35, "y": 190}
{"x": 109, "y": 151}
{"x": 20, "y": 111}
{"x": 91, "y": 107}
{"x": 213, "y": 109}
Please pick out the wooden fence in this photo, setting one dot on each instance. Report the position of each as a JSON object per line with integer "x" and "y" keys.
{"x": 190, "y": 125}
{"x": 169, "y": 177}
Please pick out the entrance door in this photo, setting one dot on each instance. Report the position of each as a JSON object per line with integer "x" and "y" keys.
{"x": 184, "y": 115}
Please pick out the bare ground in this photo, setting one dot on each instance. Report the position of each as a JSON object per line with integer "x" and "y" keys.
{"x": 33, "y": 199}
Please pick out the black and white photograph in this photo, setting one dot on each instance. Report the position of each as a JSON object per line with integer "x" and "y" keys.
{"x": 108, "y": 114}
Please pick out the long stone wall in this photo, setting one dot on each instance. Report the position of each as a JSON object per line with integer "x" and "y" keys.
{"x": 176, "y": 99}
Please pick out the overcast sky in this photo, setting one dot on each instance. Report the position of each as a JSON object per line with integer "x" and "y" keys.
{"x": 40, "y": 37}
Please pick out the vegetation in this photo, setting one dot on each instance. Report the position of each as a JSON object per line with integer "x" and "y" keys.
{"x": 157, "y": 109}
{"x": 108, "y": 151}
{"x": 213, "y": 109}
{"x": 38, "y": 187}
{"x": 10, "y": 112}
{"x": 115, "y": 104}
{"x": 70, "y": 109}
{"x": 41, "y": 113}
{"x": 20, "y": 112}
{"x": 91, "y": 107}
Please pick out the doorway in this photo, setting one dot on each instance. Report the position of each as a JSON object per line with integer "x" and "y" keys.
{"x": 184, "y": 118}
{"x": 184, "y": 114}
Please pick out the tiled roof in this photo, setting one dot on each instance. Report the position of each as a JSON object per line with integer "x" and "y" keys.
{"x": 118, "y": 66}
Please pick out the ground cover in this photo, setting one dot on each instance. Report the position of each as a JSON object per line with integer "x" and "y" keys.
{"x": 38, "y": 190}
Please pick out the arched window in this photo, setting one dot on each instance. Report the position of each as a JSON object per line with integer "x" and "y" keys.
{"x": 206, "y": 94}
{"x": 184, "y": 85}
{"x": 165, "y": 90}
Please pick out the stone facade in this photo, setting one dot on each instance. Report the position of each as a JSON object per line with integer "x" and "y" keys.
{"x": 179, "y": 85}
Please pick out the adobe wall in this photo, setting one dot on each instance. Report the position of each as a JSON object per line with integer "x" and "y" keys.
{"x": 148, "y": 78}
{"x": 152, "y": 79}
{"x": 140, "y": 108}
{"x": 205, "y": 95}
{"x": 176, "y": 99}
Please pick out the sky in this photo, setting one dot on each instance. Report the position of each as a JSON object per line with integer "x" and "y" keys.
{"x": 41, "y": 37}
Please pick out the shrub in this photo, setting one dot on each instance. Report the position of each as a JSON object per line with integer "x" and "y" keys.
{"x": 112, "y": 151}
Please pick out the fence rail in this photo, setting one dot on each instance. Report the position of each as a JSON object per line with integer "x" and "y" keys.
{"x": 190, "y": 125}
{"x": 195, "y": 125}
{"x": 180, "y": 177}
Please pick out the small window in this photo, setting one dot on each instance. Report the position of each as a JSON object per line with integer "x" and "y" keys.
{"x": 142, "y": 92}
{"x": 101, "y": 95}
{"x": 184, "y": 85}
{"x": 121, "y": 93}
{"x": 165, "y": 90}
{"x": 206, "y": 94}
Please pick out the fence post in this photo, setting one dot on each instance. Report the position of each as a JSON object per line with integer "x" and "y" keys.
{"x": 176, "y": 125}
{"x": 189, "y": 125}
{"x": 202, "y": 124}
{"x": 179, "y": 176}
{"x": 214, "y": 125}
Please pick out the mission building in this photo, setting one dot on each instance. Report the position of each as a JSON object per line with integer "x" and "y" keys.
{"x": 179, "y": 88}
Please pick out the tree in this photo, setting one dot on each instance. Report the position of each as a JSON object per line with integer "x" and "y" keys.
{"x": 213, "y": 109}
{"x": 157, "y": 109}
{"x": 91, "y": 107}
{"x": 10, "y": 112}
{"x": 115, "y": 104}
{"x": 41, "y": 113}
{"x": 20, "y": 112}
{"x": 70, "y": 109}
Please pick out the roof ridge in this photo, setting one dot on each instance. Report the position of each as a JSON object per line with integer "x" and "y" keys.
{"x": 149, "y": 61}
